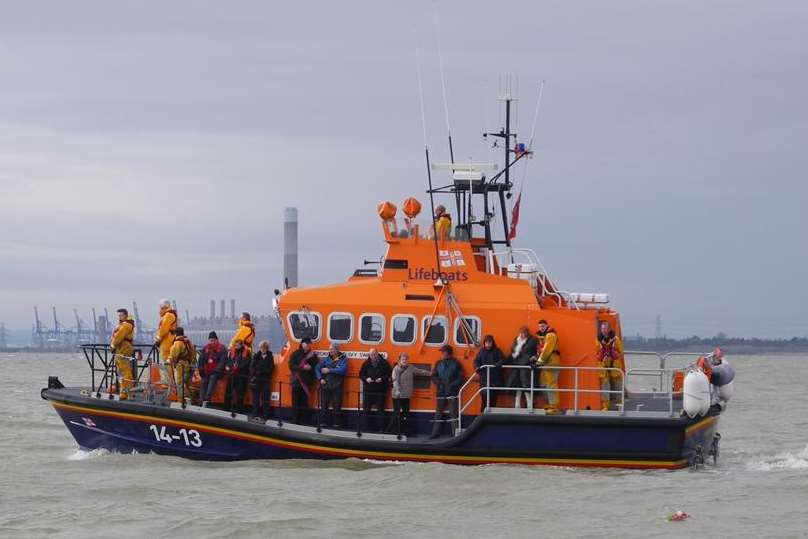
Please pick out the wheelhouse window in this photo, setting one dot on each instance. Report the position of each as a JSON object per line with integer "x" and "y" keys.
{"x": 371, "y": 328}
{"x": 402, "y": 329}
{"x": 435, "y": 330}
{"x": 472, "y": 327}
{"x": 304, "y": 324}
{"x": 340, "y": 327}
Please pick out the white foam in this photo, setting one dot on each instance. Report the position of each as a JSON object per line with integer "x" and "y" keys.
{"x": 81, "y": 454}
{"x": 782, "y": 461}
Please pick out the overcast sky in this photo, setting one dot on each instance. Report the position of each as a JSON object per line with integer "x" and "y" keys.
{"x": 147, "y": 149}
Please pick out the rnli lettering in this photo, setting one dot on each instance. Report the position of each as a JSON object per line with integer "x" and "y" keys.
{"x": 430, "y": 274}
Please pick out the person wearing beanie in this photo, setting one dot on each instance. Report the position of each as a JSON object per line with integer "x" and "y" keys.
{"x": 211, "y": 366}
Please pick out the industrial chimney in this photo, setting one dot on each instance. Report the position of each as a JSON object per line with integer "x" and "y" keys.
{"x": 221, "y": 310}
{"x": 290, "y": 247}
{"x": 232, "y": 309}
{"x": 212, "y": 310}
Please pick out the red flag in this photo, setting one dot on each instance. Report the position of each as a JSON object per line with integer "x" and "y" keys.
{"x": 515, "y": 217}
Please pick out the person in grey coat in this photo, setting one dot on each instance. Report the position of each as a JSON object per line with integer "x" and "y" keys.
{"x": 403, "y": 382}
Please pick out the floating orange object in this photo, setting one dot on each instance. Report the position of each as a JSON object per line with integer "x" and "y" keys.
{"x": 411, "y": 207}
{"x": 387, "y": 210}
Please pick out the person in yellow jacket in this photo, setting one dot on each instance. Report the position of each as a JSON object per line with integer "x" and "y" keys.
{"x": 549, "y": 356}
{"x": 443, "y": 222}
{"x": 245, "y": 332}
{"x": 164, "y": 336}
{"x": 181, "y": 357}
{"x": 121, "y": 346}
{"x": 610, "y": 356}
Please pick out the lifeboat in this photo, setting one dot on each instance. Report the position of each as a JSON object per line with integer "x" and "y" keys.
{"x": 448, "y": 280}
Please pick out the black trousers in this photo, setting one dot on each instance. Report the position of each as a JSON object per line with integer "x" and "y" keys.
{"x": 401, "y": 414}
{"x": 300, "y": 402}
{"x": 484, "y": 395}
{"x": 331, "y": 405}
{"x": 239, "y": 389}
{"x": 443, "y": 404}
{"x": 260, "y": 399}
{"x": 370, "y": 400}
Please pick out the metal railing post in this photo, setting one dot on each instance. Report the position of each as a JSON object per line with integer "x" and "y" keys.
{"x": 575, "y": 396}
{"x": 532, "y": 380}
{"x": 487, "y": 387}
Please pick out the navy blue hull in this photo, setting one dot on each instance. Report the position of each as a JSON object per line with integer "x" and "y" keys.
{"x": 615, "y": 441}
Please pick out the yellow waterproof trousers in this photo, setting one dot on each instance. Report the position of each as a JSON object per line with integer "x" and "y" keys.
{"x": 125, "y": 377}
{"x": 181, "y": 374}
{"x": 610, "y": 381}
{"x": 548, "y": 379}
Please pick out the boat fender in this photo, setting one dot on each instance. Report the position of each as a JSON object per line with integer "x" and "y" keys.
{"x": 726, "y": 391}
{"x": 723, "y": 374}
{"x": 696, "y": 393}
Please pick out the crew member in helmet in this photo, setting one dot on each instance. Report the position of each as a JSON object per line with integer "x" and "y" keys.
{"x": 121, "y": 346}
{"x": 164, "y": 337}
{"x": 549, "y": 357}
{"x": 443, "y": 222}
{"x": 610, "y": 356}
{"x": 244, "y": 333}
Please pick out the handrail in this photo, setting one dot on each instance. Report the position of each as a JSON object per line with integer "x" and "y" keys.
{"x": 532, "y": 390}
{"x": 544, "y": 276}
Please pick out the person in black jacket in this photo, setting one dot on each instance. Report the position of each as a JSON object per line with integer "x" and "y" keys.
{"x": 238, "y": 365}
{"x": 524, "y": 348}
{"x": 447, "y": 375}
{"x": 488, "y": 365}
{"x": 301, "y": 368}
{"x": 261, "y": 366}
{"x": 211, "y": 364}
{"x": 375, "y": 376}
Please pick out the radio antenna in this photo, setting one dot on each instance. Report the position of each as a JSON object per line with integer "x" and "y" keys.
{"x": 426, "y": 154}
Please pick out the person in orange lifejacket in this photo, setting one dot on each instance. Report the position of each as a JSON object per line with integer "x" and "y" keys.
{"x": 609, "y": 356}
{"x": 244, "y": 333}
{"x": 181, "y": 357}
{"x": 549, "y": 357}
{"x": 164, "y": 336}
{"x": 443, "y": 222}
{"x": 121, "y": 346}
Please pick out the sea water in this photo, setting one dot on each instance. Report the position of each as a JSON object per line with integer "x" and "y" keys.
{"x": 49, "y": 488}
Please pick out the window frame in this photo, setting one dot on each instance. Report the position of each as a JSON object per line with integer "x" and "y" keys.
{"x": 350, "y": 329}
{"x": 414, "y": 333}
{"x": 304, "y": 313}
{"x": 359, "y": 329}
{"x": 445, "y": 334}
{"x": 479, "y": 330}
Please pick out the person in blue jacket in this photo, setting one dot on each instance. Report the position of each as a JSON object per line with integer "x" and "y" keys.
{"x": 447, "y": 376}
{"x": 330, "y": 372}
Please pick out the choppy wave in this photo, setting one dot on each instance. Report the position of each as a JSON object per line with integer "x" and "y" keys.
{"x": 81, "y": 454}
{"x": 781, "y": 461}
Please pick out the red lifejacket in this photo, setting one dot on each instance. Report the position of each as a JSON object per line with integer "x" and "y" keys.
{"x": 607, "y": 351}
{"x": 211, "y": 356}
{"x": 237, "y": 361}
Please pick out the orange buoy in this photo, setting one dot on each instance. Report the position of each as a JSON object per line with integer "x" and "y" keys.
{"x": 411, "y": 207}
{"x": 387, "y": 210}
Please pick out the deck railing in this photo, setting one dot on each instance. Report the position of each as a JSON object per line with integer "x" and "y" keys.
{"x": 532, "y": 390}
